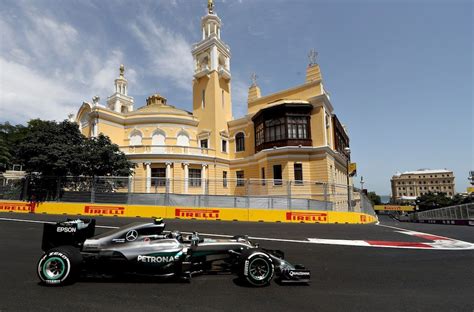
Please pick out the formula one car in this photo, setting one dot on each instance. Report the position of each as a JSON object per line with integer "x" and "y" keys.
{"x": 145, "y": 249}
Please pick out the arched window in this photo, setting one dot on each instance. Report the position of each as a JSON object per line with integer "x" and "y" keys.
{"x": 240, "y": 142}
{"x": 158, "y": 142}
{"x": 183, "y": 139}
{"x": 136, "y": 138}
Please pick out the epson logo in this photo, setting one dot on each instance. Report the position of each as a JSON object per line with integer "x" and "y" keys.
{"x": 66, "y": 229}
{"x": 157, "y": 259}
{"x": 246, "y": 267}
{"x": 296, "y": 273}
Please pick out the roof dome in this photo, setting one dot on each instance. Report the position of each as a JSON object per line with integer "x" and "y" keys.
{"x": 156, "y": 104}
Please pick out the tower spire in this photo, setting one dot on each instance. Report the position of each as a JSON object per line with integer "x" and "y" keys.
{"x": 122, "y": 70}
{"x": 120, "y": 101}
{"x": 210, "y": 6}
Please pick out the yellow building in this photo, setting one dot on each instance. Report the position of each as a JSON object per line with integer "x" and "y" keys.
{"x": 291, "y": 135}
{"x": 411, "y": 184}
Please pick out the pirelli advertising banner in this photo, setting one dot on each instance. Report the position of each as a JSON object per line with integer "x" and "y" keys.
{"x": 225, "y": 214}
{"x": 394, "y": 208}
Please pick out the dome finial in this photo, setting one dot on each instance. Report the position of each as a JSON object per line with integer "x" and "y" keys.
{"x": 312, "y": 55}
{"x": 210, "y": 6}
{"x": 122, "y": 70}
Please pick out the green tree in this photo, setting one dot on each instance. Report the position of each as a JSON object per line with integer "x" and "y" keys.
{"x": 374, "y": 198}
{"x": 432, "y": 201}
{"x": 51, "y": 150}
{"x": 101, "y": 158}
{"x": 459, "y": 199}
{"x": 10, "y": 137}
{"x": 5, "y": 155}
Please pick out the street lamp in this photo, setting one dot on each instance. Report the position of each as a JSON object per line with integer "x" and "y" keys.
{"x": 347, "y": 150}
{"x": 362, "y": 183}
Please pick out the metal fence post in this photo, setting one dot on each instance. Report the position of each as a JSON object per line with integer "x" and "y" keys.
{"x": 58, "y": 189}
{"x": 288, "y": 188}
{"x": 247, "y": 191}
{"x": 325, "y": 193}
{"x": 25, "y": 188}
{"x": 93, "y": 190}
{"x": 129, "y": 190}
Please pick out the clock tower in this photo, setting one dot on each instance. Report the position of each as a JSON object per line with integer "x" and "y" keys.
{"x": 211, "y": 84}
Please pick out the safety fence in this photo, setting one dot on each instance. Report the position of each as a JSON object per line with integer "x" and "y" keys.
{"x": 192, "y": 192}
{"x": 460, "y": 214}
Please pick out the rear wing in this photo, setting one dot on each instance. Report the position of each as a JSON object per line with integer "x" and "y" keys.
{"x": 70, "y": 232}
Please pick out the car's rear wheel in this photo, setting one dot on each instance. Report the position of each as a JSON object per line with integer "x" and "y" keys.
{"x": 257, "y": 268}
{"x": 60, "y": 266}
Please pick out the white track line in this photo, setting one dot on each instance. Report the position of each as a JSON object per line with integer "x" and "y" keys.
{"x": 445, "y": 244}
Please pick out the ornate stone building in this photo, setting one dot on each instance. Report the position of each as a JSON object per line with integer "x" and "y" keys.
{"x": 292, "y": 134}
{"x": 411, "y": 184}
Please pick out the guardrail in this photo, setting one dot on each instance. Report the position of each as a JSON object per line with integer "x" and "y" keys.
{"x": 272, "y": 194}
{"x": 458, "y": 215}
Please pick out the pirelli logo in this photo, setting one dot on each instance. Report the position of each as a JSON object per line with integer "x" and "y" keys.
{"x": 307, "y": 216}
{"x": 104, "y": 210}
{"x": 197, "y": 213}
{"x": 363, "y": 219}
{"x": 18, "y": 207}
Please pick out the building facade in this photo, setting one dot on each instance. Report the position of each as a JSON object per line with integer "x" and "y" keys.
{"x": 291, "y": 135}
{"x": 411, "y": 184}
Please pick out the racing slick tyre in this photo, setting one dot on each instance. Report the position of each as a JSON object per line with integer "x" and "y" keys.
{"x": 60, "y": 266}
{"x": 256, "y": 268}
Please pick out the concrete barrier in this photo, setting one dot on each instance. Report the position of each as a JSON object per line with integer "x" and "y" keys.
{"x": 170, "y": 212}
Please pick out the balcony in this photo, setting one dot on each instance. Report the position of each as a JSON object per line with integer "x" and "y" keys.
{"x": 224, "y": 72}
{"x": 167, "y": 149}
{"x": 201, "y": 71}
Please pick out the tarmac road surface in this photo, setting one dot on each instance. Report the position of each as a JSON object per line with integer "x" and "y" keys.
{"x": 344, "y": 278}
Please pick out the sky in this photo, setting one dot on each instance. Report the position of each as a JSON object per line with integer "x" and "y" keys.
{"x": 399, "y": 72}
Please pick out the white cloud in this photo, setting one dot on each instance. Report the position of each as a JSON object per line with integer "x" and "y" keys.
{"x": 25, "y": 94}
{"x": 49, "y": 36}
{"x": 45, "y": 69}
{"x": 168, "y": 52}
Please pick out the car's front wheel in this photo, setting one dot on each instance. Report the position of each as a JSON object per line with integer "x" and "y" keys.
{"x": 60, "y": 266}
{"x": 257, "y": 268}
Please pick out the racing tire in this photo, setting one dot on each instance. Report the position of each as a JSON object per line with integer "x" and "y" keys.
{"x": 257, "y": 268}
{"x": 60, "y": 266}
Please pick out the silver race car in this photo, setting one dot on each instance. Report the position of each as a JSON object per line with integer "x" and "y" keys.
{"x": 145, "y": 249}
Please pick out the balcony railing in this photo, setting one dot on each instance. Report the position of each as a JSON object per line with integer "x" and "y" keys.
{"x": 224, "y": 72}
{"x": 167, "y": 149}
{"x": 201, "y": 71}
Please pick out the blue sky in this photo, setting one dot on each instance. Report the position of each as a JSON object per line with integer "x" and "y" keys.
{"x": 400, "y": 73}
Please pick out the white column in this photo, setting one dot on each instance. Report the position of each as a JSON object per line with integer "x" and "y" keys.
{"x": 168, "y": 176}
{"x": 209, "y": 29}
{"x": 203, "y": 178}
{"x": 325, "y": 127}
{"x": 203, "y": 33}
{"x": 148, "y": 176}
{"x": 96, "y": 128}
{"x": 215, "y": 29}
{"x": 219, "y": 33}
{"x": 186, "y": 177}
{"x": 214, "y": 58}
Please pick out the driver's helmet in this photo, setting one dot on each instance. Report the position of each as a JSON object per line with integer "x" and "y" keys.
{"x": 176, "y": 234}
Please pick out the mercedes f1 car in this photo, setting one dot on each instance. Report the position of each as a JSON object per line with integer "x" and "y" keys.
{"x": 71, "y": 250}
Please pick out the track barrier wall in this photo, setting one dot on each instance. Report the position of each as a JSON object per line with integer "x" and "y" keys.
{"x": 193, "y": 213}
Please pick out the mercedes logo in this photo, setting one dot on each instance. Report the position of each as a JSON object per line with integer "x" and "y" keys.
{"x": 131, "y": 235}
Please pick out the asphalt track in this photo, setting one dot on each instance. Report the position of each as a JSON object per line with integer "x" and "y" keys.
{"x": 344, "y": 278}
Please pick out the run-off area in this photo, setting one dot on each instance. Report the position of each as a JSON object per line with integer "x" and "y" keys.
{"x": 344, "y": 277}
